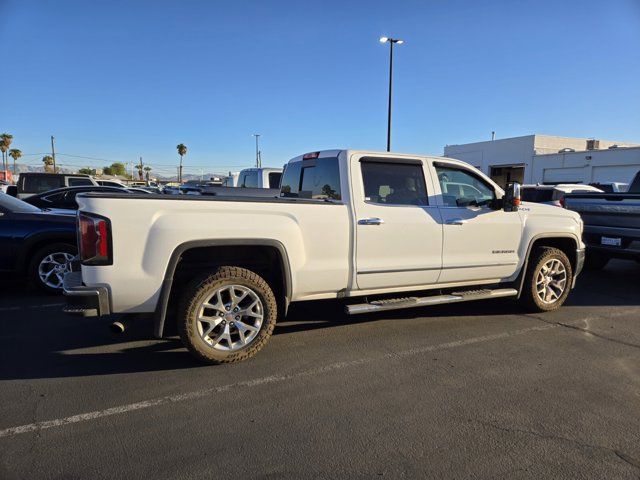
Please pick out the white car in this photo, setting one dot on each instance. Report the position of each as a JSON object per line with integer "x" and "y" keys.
{"x": 554, "y": 194}
{"x": 376, "y": 231}
{"x": 263, "y": 177}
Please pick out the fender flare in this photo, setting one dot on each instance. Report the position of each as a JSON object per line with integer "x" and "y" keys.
{"x": 160, "y": 313}
{"x": 519, "y": 281}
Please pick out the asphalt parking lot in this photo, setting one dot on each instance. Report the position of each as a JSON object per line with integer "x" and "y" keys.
{"x": 478, "y": 390}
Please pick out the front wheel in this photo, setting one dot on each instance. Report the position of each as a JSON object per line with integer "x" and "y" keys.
{"x": 227, "y": 316}
{"x": 548, "y": 280}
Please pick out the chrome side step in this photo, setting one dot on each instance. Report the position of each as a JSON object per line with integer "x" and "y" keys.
{"x": 411, "y": 302}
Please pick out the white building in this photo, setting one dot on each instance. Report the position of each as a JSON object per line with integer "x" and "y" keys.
{"x": 545, "y": 158}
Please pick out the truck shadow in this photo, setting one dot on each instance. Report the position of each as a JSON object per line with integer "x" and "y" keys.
{"x": 38, "y": 341}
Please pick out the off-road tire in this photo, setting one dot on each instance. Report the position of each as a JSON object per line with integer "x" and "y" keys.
{"x": 39, "y": 255}
{"x": 595, "y": 261}
{"x": 529, "y": 297}
{"x": 199, "y": 288}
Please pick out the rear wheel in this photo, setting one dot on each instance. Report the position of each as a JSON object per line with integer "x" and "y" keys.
{"x": 548, "y": 280}
{"x": 50, "y": 264}
{"x": 227, "y": 316}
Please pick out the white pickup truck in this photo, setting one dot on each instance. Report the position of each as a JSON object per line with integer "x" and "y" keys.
{"x": 378, "y": 231}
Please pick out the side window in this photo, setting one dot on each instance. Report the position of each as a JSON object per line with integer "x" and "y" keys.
{"x": 55, "y": 198}
{"x": 290, "y": 184}
{"x": 79, "y": 181}
{"x": 274, "y": 179}
{"x": 44, "y": 183}
{"x": 393, "y": 183}
{"x": 317, "y": 179}
{"x": 461, "y": 188}
{"x": 250, "y": 180}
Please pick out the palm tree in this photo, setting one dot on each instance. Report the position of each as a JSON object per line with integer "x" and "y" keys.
{"x": 48, "y": 163}
{"x": 147, "y": 169}
{"x": 5, "y": 142}
{"x": 15, "y": 154}
{"x": 182, "y": 151}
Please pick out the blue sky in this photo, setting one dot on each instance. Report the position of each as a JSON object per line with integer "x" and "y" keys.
{"x": 115, "y": 80}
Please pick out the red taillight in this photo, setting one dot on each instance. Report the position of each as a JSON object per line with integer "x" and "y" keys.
{"x": 310, "y": 156}
{"x": 561, "y": 201}
{"x": 94, "y": 240}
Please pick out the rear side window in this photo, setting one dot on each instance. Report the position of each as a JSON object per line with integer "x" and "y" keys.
{"x": 537, "y": 195}
{"x": 274, "y": 179}
{"x": 44, "y": 183}
{"x": 316, "y": 179}
{"x": 249, "y": 179}
{"x": 79, "y": 181}
{"x": 393, "y": 183}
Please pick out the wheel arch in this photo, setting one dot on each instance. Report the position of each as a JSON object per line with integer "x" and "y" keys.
{"x": 36, "y": 242}
{"x": 568, "y": 243}
{"x": 197, "y": 248}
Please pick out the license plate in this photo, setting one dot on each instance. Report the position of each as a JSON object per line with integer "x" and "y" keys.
{"x": 614, "y": 242}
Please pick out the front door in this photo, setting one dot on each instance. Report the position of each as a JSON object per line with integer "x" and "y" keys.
{"x": 480, "y": 243}
{"x": 398, "y": 226}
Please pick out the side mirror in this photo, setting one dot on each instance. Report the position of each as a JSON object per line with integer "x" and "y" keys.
{"x": 511, "y": 199}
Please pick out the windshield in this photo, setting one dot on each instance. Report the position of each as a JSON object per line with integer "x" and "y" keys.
{"x": 11, "y": 204}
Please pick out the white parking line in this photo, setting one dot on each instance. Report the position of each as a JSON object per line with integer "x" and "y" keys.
{"x": 84, "y": 417}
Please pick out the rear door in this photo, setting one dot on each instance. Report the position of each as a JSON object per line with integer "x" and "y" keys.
{"x": 480, "y": 243}
{"x": 398, "y": 226}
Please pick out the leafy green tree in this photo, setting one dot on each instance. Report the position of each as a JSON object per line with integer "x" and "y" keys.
{"x": 87, "y": 171}
{"x": 147, "y": 170}
{"x": 116, "y": 168}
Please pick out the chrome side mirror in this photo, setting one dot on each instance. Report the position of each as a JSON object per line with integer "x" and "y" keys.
{"x": 511, "y": 199}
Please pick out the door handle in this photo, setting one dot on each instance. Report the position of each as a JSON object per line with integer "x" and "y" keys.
{"x": 455, "y": 221}
{"x": 370, "y": 221}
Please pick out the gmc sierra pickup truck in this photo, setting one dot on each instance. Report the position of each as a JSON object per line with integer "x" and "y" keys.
{"x": 378, "y": 231}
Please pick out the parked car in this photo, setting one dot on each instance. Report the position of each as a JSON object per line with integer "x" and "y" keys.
{"x": 139, "y": 190}
{"x": 553, "y": 194}
{"x": 33, "y": 183}
{"x": 36, "y": 244}
{"x": 611, "y": 187}
{"x": 110, "y": 183}
{"x": 371, "y": 229}
{"x": 611, "y": 224}
{"x": 65, "y": 198}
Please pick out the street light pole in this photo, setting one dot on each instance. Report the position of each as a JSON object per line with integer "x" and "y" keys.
{"x": 390, "y": 41}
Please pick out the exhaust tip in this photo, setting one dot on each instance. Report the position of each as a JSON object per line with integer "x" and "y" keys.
{"x": 117, "y": 327}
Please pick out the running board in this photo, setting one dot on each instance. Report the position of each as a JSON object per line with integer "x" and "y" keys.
{"x": 411, "y": 302}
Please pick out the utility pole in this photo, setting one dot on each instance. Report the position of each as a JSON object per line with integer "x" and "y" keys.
{"x": 141, "y": 166}
{"x": 258, "y": 159}
{"x": 53, "y": 154}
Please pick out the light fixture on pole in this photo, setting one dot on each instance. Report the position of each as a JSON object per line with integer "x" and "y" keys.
{"x": 391, "y": 42}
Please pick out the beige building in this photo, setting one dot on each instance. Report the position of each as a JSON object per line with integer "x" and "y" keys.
{"x": 546, "y": 158}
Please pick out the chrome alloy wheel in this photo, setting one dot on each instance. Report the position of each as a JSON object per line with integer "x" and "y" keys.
{"x": 53, "y": 268}
{"x": 551, "y": 281}
{"x": 230, "y": 317}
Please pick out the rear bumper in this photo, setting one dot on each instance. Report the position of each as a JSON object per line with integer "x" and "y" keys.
{"x": 82, "y": 300}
